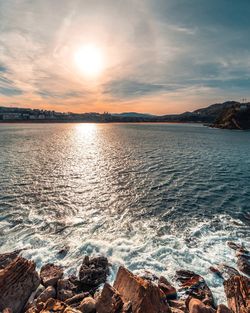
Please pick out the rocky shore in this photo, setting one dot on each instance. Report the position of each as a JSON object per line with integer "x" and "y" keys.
{"x": 23, "y": 289}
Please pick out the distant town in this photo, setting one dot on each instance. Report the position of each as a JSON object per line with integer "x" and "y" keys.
{"x": 204, "y": 115}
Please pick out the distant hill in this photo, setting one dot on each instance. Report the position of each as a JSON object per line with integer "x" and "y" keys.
{"x": 134, "y": 114}
{"x": 217, "y": 115}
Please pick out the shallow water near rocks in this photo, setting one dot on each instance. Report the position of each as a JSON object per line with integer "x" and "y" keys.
{"x": 158, "y": 197}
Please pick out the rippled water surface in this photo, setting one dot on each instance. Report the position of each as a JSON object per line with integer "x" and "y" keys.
{"x": 150, "y": 196}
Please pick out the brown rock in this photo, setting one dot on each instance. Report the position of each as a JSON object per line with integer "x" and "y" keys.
{"x": 7, "y": 310}
{"x": 17, "y": 281}
{"x": 88, "y": 305}
{"x": 196, "y": 306}
{"x": 178, "y": 306}
{"x": 109, "y": 301}
{"x": 7, "y": 258}
{"x": 77, "y": 299}
{"x": 223, "y": 309}
{"x": 57, "y": 306}
{"x": 48, "y": 293}
{"x": 243, "y": 263}
{"x": 195, "y": 286}
{"x": 93, "y": 272}
{"x": 145, "y": 297}
{"x": 50, "y": 274}
{"x": 65, "y": 289}
{"x": 167, "y": 288}
{"x": 237, "y": 289}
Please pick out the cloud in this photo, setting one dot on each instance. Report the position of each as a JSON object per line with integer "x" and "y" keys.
{"x": 169, "y": 55}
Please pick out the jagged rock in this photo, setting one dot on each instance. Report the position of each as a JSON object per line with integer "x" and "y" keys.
{"x": 93, "y": 272}
{"x": 48, "y": 293}
{"x": 196, "y": 306}
{"x": 65, "y": 289}
{"x": 56, "y": 306}
{"x": 224, "y": 271}
{"x": 243, "y": 257}
{"x": 88, "y": 305}
{"x": 178, "y": 306}
{"x": 243, "y": 263}
{"x": 50, "y": 274}
{"x": 76, "y": 300}
{"x": 237, "y": 289}
{"x": 7, "y": 258}
{"x": 167, "y": 288}
{"x": 63, "y": 252}
{"x": 17, "y": 281}
{"x": 109, "y": 301}
{"x": 145, "y": 297}
{"x": 223, "y": 309}
{"x": 195, "y": 286}
{"x": 40, "y": 289}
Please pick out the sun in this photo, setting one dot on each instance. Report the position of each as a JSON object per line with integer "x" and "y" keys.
{"x": 89, "y": 60}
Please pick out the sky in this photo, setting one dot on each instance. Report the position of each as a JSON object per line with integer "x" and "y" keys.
{"x": 158, "y": 56}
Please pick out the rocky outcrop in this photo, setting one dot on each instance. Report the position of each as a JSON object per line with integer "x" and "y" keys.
{"x": 110, "y": 301}
{"x": 144, "y": 296}
{"x": 93, "y": 272}
{"x": 237, "y": 289}
{"x": 50, "y": 274}
{"x": 195, "y": 286}
{"x": 243, "y": 257}
{"x": 236, "y": 117}
{"x": 17, "y": 281}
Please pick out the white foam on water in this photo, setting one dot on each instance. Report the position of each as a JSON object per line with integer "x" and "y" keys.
{"x": 143, "y": 249}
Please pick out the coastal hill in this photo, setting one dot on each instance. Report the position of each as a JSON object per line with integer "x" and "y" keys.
{"x": 236, "y": 117}
{"x": 230, "y": 114}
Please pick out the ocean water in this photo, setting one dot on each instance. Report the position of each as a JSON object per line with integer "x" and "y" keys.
{"x": 158, "y": 197}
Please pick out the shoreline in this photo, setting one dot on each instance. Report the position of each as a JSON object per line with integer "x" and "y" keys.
{"x": 23, "y": 289}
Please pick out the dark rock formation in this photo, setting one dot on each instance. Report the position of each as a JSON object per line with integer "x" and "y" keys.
{"x": 237, "y": 289}
{"x": 93, "y": 272}
{"x": 65, "y": 289}
{"x": 17, "y": 281}
{"x": 50, "y": 274}
{"x": 167, "y": 288}
{"x": 145, "y": 297}
{"x": 243, "y": 257}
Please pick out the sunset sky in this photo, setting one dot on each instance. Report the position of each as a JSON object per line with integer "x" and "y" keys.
{"x": 154, "y": 56}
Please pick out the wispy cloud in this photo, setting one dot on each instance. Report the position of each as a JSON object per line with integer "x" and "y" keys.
{"x": 160, "y": 56}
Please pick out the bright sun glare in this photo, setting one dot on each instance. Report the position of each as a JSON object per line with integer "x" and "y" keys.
{"x": 89, "y": 60}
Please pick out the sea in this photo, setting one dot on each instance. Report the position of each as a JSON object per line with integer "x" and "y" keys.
{"x": 151, "y": 197}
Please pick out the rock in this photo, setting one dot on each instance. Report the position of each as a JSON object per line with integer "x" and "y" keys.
{"x": 223, "y": 309}
{"x": 178, "y": 306}
{"x": 237, "y": 289}
{"x": 195, "y": 286}
{"x": 243, "y": 263}
{"x": 40, "y": 289}
{"x": 144, "y": 296}
{"x": 7, "y": 310}
{"x": 88, "y": 305}
{"x": 48, "y": 293}
{"x": 196, "y": 306}
{"x": 57, "y": 306}
{"x": 63, "y": 252}
{"x": 65, "y": 289}
{"x": 17, "y": 282}
{"x": 109, "y": 301}
{"x": 93, "y": 272}
{"x": 77, "y": 299}
{"x": 167, "y": 288}
{"x": 50, "y": 274}
{"x": 7, "y": 258}
{"x": 243, "y": 257}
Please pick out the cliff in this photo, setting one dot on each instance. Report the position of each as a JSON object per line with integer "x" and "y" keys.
{"x": 236, "y": 117}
